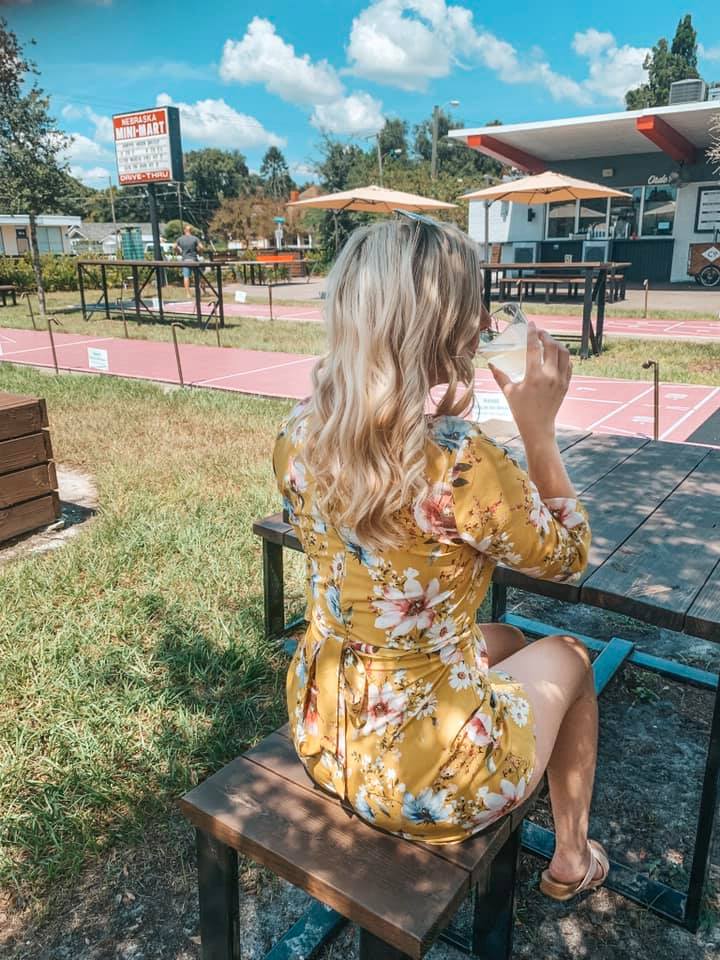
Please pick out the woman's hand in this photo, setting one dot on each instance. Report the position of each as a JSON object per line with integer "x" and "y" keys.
{"x": 536, "y": 399}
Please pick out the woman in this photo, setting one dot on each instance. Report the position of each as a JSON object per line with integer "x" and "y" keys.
{"x": 426, "y": 724}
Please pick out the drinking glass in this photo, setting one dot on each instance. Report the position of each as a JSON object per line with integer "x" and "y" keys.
{"x": 506, "y": 349}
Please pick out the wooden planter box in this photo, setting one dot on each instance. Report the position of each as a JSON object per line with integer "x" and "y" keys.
{"x": 28, "y": 483}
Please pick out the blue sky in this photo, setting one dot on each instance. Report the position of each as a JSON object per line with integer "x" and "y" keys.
{"x": 248, "y": 79}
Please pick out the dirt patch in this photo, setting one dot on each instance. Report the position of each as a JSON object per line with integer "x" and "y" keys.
{"x": 140, "y": 903}
{"x": 78, "y": 503}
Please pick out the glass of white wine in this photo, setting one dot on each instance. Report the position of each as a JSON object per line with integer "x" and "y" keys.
{"x": 506, "y": 347}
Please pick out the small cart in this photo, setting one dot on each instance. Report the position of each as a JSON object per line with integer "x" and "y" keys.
{"x": 704, "y": 263}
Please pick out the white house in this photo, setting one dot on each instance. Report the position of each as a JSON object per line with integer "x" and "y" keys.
{"x": 51, "y": 233}
{"x": 102, "y": 238}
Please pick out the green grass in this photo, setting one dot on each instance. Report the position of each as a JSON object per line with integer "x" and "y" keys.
{"x": 132, "y": 660}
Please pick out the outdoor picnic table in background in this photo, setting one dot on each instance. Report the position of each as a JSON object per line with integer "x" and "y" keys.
{"x": 256, "y": 269}
{"x": 142, "y": 273}
{"x": 655, "y": 557}
{"x": 595, "y": 284}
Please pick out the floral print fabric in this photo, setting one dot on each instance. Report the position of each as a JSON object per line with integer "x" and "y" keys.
{"x": 391, "y": 701}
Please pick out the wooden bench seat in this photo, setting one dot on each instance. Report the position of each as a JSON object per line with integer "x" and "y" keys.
{"x": 8, "y": 290}
{"x": 530, "y": 284}
{"x": 402, "y": 894}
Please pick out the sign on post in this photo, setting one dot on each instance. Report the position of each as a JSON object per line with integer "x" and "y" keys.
{"x": 148, "y": 148}
{"x": 98, "y": 359}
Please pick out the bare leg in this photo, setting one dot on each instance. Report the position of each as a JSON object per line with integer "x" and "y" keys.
{"x": 502, "y": 641}
{"x": 557, "y": 676}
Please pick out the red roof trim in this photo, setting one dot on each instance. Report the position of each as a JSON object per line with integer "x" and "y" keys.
{"x": 667, "y": 138}
{"x": 505, "y": 153}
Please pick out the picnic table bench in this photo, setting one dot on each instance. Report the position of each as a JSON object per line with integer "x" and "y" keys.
{"x": 8, "y": 290}
{"x": 597, "y": 279}
{"x": 655, "y": 557}
{"x": 401, "y": 893}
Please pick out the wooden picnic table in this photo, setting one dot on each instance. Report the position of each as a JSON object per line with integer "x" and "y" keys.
{"x": 260, "y": 266}
{"x": 144, "y": 272}
{"x": 655, "y": 557}
{"x": 594, "y": 276}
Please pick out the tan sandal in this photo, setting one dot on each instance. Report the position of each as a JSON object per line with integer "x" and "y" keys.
{"x": 566, "y": 891}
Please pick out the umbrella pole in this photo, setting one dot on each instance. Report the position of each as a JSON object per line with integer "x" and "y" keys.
{"x": 487, "y": 231}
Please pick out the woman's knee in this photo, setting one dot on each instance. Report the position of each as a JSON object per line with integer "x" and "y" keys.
{"x": 502, "y": 640}
{"x": 573, "y": 655}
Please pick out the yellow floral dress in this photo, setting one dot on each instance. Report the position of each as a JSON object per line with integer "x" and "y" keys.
{"x": 392, "y": 705}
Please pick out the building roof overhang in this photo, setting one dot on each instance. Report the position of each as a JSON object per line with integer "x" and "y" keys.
{"x": 682, "y": 132}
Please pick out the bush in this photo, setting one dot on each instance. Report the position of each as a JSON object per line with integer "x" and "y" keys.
{"x": 59, "y": 273}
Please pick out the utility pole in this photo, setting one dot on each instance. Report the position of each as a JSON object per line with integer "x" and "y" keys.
{"x": 433, "y": 155}
{"x": 157, "y": 248}
{"x": 112, "y": 214}
{"x": 179, "y": 193}
{"x": 379, "y": 156}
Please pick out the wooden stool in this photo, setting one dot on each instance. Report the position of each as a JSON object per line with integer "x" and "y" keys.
{"x": 402, "y": 894}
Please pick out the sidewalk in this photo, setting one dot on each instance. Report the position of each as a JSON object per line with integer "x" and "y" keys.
{"x": 592, "y": 404}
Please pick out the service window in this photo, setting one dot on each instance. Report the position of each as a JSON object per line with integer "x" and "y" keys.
{"x": 592, "y": 220}
{"x": 49, "y": 239}
{"x": 659, "y": 210}
{"x": 625, "y": 214}
{"x": 561, "y": 219}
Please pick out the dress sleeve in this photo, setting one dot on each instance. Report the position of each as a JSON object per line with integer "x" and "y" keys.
{"x": 499, "y": 512}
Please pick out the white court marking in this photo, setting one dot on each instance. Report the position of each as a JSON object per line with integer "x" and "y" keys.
{"x": 58, "y": 346}
{"x": 621, "y": 407}
{"x": 247, "y": 373}
{"x": 690, "y": 412}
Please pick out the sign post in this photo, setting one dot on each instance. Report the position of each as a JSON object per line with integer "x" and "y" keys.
{"x": 148, "y": 150}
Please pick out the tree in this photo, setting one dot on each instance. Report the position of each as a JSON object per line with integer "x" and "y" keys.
{"x": 454, "y": 158}
{"x": 342, "y": 166}
{"x": 212, "y": 175}
{"x": 31, "y": 145}
{"x": 277, "y": 182}
{"x": 245, "y": 219}
{"x": 665, "y": 65}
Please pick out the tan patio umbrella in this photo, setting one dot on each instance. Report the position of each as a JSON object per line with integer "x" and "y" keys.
{"x": 545, "y": 187}
{"x": 372, "y": 199}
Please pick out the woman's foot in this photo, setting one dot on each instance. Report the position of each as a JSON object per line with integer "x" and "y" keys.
{"x": 563, "y": 880}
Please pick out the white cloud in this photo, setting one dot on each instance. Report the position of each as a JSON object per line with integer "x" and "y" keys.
{"x": 94, "y": 175}
{"x": 388, "y": 47}
{"x": 358, "y": 114}
{"x": 103, "y": 125}
{"x": 708, "y": 53}
{"x": 262, "y": 56}
{"x": 215, "y": 123}
{"x": 408, "y": 43}
{"x": 612, "y": 69}
{"x": 82, "y": 150}
{"x": 303, "y": 171}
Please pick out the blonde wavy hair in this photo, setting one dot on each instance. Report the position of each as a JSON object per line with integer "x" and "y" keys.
{"x": 403, "y": 313}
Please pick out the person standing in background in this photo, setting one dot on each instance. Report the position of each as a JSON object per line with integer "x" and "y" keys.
{"x": 189, "y": 248}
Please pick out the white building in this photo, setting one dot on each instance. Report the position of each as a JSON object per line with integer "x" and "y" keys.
{"x": 51, "y": 233}
{"x": 657, "y": 155}
{"x": 87, "y": 237}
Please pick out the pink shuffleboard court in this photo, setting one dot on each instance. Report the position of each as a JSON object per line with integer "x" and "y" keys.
{"x": 593, "y": 403}
{"x": 702, "y": 330}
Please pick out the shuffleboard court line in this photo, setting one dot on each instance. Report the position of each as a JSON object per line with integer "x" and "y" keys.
{"x": 247, "y": 373}
{"x": 620, "y": 408}
{"x": 58, "y": 346}
{"x": 701, "y": 403}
